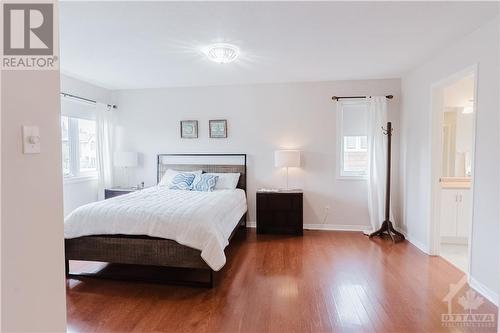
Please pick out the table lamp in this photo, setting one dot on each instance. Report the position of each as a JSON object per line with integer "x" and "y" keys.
{"x": 287, "y": 159}
{"x": 126, "y": 160}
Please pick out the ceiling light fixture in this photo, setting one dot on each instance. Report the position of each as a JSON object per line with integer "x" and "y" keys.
{"x": 222, "y": 53}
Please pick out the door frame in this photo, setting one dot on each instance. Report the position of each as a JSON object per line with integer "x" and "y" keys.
{"x": 436, "y": 124}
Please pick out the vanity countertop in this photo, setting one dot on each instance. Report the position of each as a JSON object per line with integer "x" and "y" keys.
{"x": 455, "y": 182}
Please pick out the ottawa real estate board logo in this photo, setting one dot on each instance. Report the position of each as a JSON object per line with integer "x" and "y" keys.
{"x": 471, "y": 303}
{"x": 28, "y": 36}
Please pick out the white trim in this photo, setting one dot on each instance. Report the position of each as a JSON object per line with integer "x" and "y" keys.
{"x": 498, "y": 285}
{"x": 454, "y": 240}
{"x": 415, "y": 242}
{"x": 337, "y": 227}
{"x": 326, "y": 227}
{"x": 436, "y": 146}
{"x": 351, "y": 178}
{"x": 492, "y": 296}
{"x": 75, "y": 174}
{"x": 359, "y": 228}
{"x": 79, "y": 179}
{"x": 436, "y": 151}
{"x": 339, "y": 175}
{"x": 73, "y": 146}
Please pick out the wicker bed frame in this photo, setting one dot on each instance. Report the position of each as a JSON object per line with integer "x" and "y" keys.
{"x": 145, "y": 250}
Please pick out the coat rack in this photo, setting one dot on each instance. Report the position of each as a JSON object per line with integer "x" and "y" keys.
{"x": 387, "y": 229}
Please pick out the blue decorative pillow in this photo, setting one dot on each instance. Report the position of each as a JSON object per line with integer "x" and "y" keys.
{"x": 182, "y": 181}
{"x": 204, "y": 182}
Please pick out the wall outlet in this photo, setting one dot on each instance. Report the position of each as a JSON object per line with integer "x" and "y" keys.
{"x": 327, "y": 211}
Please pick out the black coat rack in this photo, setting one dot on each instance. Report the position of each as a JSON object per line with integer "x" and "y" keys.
{"x": 387, "y": 229}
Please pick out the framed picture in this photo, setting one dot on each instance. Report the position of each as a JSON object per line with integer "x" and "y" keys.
{"x": 189, "y": 129}
{"x": 218, "y": 128}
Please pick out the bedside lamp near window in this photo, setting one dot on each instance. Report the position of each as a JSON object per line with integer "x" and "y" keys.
{"x": 126, "y": 160}
{"x": 287, "y": 159}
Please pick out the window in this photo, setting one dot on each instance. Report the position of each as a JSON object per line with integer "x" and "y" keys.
{"x": 65, "y": 145}
{"x": 87, "y": 150}
{"x": 79, "y": 154}
{"x": 353, "y": 139}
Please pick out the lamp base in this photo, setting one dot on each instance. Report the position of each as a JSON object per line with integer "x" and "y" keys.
{"x": 387, "y": 231}
{"x": 289, "y": 190}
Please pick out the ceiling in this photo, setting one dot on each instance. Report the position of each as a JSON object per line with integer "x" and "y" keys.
{"x": 125, "y": 45}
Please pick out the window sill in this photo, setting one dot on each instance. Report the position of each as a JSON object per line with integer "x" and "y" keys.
{"x": 79, "y": 179}
{"x": 351, "y": 178}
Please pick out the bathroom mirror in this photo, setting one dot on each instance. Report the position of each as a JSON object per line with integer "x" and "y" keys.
{"x": 457, "y": 142}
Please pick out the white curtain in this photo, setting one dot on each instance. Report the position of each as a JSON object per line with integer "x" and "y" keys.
{"x": 104, "y": 149}
{"x": 377, "y": 161}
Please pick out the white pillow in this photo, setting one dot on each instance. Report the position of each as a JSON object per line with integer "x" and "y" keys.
{"x": 226, "y": 181}
{"x": 166, "y": 180}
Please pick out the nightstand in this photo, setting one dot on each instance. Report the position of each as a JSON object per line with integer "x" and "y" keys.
{"x": 280, "y": 212}
{"x": 114, "y": 192}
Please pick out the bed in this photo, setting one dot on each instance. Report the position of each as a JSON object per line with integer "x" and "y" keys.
{"x": 161, "y": 227}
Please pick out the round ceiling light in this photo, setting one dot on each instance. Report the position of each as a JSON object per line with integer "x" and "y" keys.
{"x": 222, "y": 53}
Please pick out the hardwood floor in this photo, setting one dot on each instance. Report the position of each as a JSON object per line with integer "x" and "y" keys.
{"x": 321, "y": 282}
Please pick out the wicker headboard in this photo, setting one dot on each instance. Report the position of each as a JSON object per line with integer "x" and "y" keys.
{"x": 219, "y": 163}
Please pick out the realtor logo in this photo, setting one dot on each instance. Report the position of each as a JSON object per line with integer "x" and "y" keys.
{"x": 470, "y": 302}
{"x": 28, "y": 29}
{"x": 28, "y": 36}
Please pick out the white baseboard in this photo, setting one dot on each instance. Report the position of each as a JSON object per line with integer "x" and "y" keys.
{"x": 326, "y": 227}
{"x": 483, "y": 290}
{"x": 455, "y": 240}
{"x": 336, "y": 227}
{"x": 360, "y": 228}
{"x": 419, "y": 245}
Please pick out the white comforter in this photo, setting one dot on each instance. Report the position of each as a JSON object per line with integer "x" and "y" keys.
{"x": 201, "y": 220}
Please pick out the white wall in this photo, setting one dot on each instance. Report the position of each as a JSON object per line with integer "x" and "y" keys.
{"x": 480, "y": 47}
{"x": 78, "y": 193}
{"x": 261, "y": 118}
{"x": 498, "y": 283}
{"x": 81, "y": 192}
{"x": 81, "y": 88}
{"x": 33, "y": 284}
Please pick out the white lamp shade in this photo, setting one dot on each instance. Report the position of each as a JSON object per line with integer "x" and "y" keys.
{"x": 125, "y": 159}
{"x": 287, "y": 158}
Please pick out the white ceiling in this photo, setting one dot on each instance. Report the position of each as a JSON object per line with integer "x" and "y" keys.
{"x": 123, "y": 45}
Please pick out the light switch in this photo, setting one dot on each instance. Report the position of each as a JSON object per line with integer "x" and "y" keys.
{"x": 31, "y": 140}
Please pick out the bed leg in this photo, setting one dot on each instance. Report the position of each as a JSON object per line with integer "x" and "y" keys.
{"x": 66, "y": 268}
{"x": 243, "y": 223}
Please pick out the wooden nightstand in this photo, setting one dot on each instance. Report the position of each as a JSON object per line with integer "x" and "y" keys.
{"x": 280, "y": 212}
{"x": 114, "y": 192}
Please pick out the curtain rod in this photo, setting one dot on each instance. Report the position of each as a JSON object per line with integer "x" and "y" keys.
{"x": 113, "y": 106}
{"x": 336, "y": 98}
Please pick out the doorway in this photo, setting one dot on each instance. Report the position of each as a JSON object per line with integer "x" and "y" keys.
{"x": 453, "y": 126}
